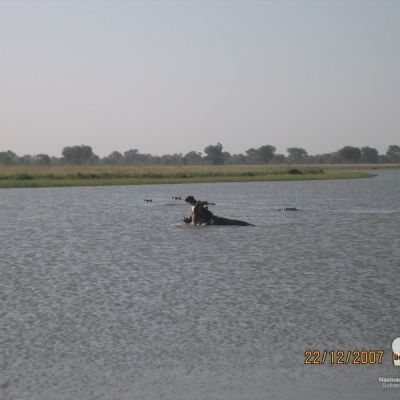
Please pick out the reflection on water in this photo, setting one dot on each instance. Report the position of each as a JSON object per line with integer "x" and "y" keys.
{"x": 104, "y": 296}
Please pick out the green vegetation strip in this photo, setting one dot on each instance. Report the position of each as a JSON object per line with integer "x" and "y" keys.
{"x": 52, "y": 176}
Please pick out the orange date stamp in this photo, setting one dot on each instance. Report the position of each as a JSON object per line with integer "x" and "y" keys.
{"x": 343, "y": 357}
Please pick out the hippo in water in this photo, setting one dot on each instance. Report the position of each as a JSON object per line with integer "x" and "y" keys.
{"x": 288, "y": 209}
{"x": 199, "y": 214}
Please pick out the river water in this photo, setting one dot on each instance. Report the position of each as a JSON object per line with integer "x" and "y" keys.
{"x": 105, "y": 296}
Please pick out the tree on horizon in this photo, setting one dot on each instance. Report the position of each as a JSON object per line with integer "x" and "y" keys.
{"x": 78, "y": 154}
{"x": 214, "y": 154}
{"x": 349, "y": 154}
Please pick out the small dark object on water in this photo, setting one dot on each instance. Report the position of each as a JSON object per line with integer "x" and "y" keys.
{"x": 148, "y": 200}
{"x": 288, "y": 209}
{"x": 176, "y": 198}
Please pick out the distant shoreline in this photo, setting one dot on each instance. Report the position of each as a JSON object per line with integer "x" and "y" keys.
{"x": 88, "y": 175}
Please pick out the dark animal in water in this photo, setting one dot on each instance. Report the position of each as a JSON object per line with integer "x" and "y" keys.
{"x": 148, "y": 200}
{"x": 201, "y": 215}
{"x": 288, "y": 209}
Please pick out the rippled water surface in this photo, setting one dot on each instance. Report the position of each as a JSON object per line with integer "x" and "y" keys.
{"x": 104, "y": 296}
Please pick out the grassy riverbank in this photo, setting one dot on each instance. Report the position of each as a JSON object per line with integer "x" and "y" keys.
{"x": 102, "y": 175}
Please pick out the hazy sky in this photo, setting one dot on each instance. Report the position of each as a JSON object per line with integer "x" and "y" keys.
{"x": 176, "y": 76}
